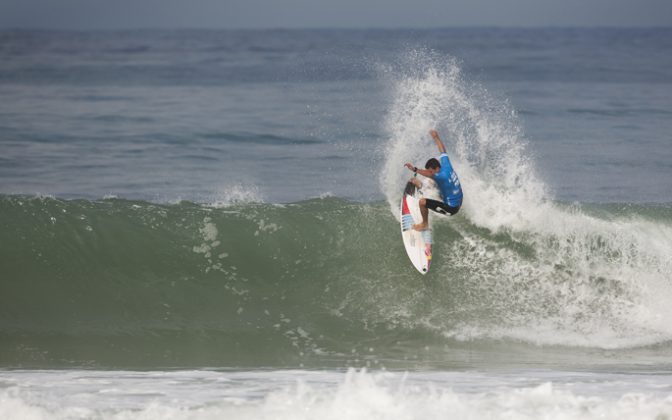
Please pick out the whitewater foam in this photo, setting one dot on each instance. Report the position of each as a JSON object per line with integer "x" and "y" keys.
{"x": 331, "y": 395}
{"x": 570, "y": 278}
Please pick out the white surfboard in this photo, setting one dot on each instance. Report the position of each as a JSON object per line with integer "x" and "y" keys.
{"x": 418, "y": 244}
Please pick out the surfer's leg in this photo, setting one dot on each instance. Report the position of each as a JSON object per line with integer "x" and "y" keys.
{"x": 441, "y": 207}
{"x": 425, "y": 214}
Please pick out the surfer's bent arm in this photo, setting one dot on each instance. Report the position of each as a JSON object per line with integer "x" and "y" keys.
{"x": 437, "y": 140}
{"x": 423, "y": 172}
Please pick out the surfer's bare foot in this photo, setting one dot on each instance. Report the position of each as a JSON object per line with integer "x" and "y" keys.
{"x": 420, "y": 226}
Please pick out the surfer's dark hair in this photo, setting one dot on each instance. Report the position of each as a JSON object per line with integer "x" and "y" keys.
{"x": 432, "y": 164}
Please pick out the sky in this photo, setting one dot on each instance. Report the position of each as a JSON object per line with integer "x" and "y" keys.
{"x": 215, "y": 14}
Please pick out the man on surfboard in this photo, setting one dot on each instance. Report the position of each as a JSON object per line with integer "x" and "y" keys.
{"x": 445, "y": 177}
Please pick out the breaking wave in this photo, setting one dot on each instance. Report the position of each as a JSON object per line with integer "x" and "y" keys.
{"x": 320, "y": 282}
{"x": 326, "y": 281}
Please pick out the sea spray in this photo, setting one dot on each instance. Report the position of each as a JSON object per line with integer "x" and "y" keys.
{"x": 482, "y": 134}
{"x": 544, "y": 272}
{"x": 238, "y": 193}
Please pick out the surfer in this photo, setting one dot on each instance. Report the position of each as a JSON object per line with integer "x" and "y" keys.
{"x": 445, "y": 177}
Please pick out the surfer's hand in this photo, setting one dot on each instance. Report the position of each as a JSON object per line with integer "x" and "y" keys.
{"x": 409, "y": 166}
{"x": 434, "y": 133}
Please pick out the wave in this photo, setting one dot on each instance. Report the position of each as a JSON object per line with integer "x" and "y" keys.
{"x": 326, "y": 281}
{"x": 119, "y": 282}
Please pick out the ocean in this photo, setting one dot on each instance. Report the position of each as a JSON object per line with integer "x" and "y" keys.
{"x": 203, "y": 224}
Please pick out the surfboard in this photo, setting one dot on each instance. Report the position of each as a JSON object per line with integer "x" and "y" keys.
{"x": 418, "y": 244}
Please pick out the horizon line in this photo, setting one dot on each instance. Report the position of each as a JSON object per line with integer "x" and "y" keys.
{"x": 328, "y": 28}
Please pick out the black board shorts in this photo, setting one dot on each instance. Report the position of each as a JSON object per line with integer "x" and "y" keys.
{"x": 441, "y": 207}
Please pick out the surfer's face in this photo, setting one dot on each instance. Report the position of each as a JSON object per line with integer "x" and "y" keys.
{"x": 433, "y": 165}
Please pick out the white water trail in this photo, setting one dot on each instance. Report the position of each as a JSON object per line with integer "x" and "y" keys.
{"x": 553, "y": 273}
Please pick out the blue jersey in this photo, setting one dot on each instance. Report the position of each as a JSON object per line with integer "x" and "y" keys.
{"x": 449, "y": 185}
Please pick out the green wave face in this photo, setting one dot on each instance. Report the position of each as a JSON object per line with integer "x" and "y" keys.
{"x": 325, "y": 282}
{"x": 122, "y": 282}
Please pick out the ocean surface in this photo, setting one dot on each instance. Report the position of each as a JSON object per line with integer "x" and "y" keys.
{"x": 203, "y": 224}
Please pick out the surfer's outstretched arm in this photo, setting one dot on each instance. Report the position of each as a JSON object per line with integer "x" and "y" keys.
{"x": 437, "y": 140}
{"x": 423, "y": 172}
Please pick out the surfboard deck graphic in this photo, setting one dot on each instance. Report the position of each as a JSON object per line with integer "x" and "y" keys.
{"x": 418, "y": 244}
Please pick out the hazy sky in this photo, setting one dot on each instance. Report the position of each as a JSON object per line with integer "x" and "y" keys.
{"x": 120, "y": 14}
